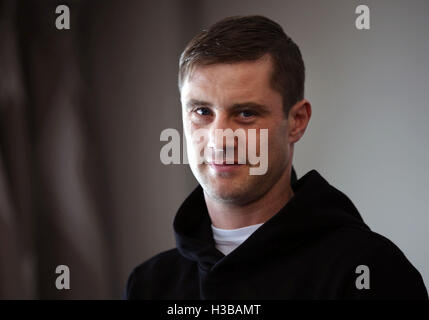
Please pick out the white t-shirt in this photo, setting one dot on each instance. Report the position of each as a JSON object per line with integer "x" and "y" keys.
{"x": 228, "y": 239}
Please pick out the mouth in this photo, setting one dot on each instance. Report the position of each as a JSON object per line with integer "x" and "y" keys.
{"x": 225, "y": 167}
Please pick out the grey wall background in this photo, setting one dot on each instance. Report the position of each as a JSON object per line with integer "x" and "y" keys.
{"x": 369, "y": 90}
{"x": 83, "y": 110}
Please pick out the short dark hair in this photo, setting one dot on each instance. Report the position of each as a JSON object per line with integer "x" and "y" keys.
{"x": 247, "y": 38}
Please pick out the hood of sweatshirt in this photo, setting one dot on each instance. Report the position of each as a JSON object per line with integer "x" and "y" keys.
{"x": 316, "y": 208}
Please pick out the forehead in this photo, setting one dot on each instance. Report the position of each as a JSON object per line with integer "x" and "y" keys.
{"x": 224, "y": 82}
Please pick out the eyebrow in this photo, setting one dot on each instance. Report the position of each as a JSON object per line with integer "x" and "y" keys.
{"x": 197, "y": 103}
{"x": 236, "y": 106}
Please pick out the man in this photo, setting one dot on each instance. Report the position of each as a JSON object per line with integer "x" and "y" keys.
{"x": 244, "y": 236}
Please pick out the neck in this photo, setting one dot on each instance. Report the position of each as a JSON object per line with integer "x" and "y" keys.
{"x": 230, "y": 216}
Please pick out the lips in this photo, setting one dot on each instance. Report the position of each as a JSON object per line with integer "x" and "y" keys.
{"x": 223, "y": 163}
{"x": 226, "y": 162}
{"x": 225, "y": 167}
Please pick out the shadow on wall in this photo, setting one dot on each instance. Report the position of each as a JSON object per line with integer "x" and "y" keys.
{"x": 81, "y": 110}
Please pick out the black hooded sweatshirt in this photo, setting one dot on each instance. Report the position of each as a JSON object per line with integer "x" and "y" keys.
{"x": 311, "y": 249}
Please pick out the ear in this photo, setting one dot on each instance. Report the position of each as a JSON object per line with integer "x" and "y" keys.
{"x": 298, "y": 118}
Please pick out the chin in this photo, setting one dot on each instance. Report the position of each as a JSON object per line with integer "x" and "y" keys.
{"x": 226, "y": 191}
{"x": 227, "y": 196}
{"x": 235, "y": 188}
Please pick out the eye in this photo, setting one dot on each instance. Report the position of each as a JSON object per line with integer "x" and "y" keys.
{"x": 203, "y": 111}
{"x": 247, "y": 113}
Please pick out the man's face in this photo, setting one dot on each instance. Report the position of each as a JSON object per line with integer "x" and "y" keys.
{"x": 234, "y": 96}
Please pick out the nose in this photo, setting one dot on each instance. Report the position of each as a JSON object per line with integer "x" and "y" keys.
{"x": 222, "y": 144}
{"x": 217, "y": 133}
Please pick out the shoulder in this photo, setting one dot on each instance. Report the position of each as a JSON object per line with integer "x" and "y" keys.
{"x": 358, "y": 245}
{"x": 390, "y": 274}
{"x": 146, "y": 278}
{"x": 162, "y": 259}
{"x": 364, "y": 240}
{"x": 144, "y": 272}
{"x": 366, "y": 243}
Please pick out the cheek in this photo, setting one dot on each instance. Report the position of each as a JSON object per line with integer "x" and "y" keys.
{"x": 196, "y": 141}
{"x": 278, "y": 143}
{"x": 188, "y": 128}
{"x": 191, "y": 126}
{"x": 190, "y": 145}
